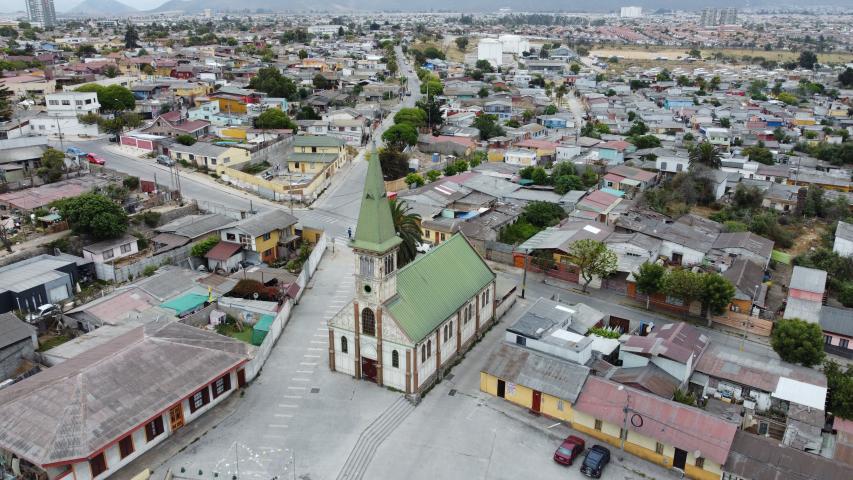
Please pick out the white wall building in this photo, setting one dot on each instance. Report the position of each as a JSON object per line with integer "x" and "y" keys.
{"x": 514, "y": 44}
{"x": 62, "y": 111}
{"x": 843, "y": 239}
{"x": 492, "y": 50}
{"x": 631, "y": 12}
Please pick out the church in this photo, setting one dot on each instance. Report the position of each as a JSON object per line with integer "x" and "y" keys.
{"x": 405, "y": 326}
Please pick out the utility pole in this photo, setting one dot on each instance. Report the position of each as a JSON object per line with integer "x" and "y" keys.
{"x": 746, "y": 324}
{"x": 624, "y": 432}
{"x": 524, "y": 275}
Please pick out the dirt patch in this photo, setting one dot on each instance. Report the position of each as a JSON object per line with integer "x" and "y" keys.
{"x": 809, "y": 236}
{"x": 672, "y": 54}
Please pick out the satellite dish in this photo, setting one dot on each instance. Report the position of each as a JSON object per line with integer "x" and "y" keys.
{"x": 255, "y": 295}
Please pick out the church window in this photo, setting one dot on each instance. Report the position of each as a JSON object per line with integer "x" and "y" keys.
{"x": 429, "y": 348}
{"x": 344, "y": 348}
{"x": 423, "y": 353}
{"x": 389, "y": 264}
{"x": 395, "y": 359}
{"x": 368, "y": 322}
{"x": 365, "y": 266}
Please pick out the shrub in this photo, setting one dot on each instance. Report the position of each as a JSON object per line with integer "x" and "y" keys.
{"x": 149, "y": 270}
{"x": 248, "y": 288}
{"x": 131, "y": 183}
{"x": 151, "y": 219}
{"x": 185, "y": 139}
{"x": 201, "y": 248}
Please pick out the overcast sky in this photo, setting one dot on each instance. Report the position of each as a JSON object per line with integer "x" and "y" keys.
{"x": 63, "y": 5}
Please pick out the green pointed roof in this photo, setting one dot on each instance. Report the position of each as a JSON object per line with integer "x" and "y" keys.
{"x": 375, "y": 230}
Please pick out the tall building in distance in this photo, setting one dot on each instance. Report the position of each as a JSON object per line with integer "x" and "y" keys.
{"x": 631, "y": 12}
{"x": 41, "y": 12}
{"x": 712, "y": 17}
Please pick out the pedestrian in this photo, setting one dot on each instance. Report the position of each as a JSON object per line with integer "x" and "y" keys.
{"x": 349, "y": 233}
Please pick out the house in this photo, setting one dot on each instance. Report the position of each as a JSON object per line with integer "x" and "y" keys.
{"x": 633, "y": 249}
{"x": 613, "y": 152}
{"x": 719, "y": 137}
{"x": 754, "y": 457}
{"x": 208, "y": 155}
{"x": 805, "y": 294}
{"x": 747, "y": 245}
{"x": 837, "y": 326}
{"x": 28, "y": 284}
{"x": 406, "y": 326}
{"x": 62, "y": 114}
{"x": 628, "y": 179}
{"x": 675, "y": 348}
{"x": 672, "y": 165}
{"x": 780, "y": 197}
{"x": 843, "y": 244}
{"x": 600, "y": 205}
{"x": 188, "y": 229}
{"x": 127, "y": 395}
{"x": 500, "y": 108}
{"x": 265, "y": 237}
{"x": 18, "y": 342}
{"x": 224, "y": 256}
{"x": 748, "y": 280}
{"x": 173, "y": 124}
{"x": 524, "y": 158}
{"x": 111, "y": 250}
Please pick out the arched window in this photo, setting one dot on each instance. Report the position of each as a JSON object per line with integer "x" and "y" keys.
{"x": 450, "y": 335}
{"x": 368, "y": 322}
{"x": 429, "y": 348}
{"x": 344, "y": 348}
{"x": 395, "y": 359}
{"x": 423, "y": 353}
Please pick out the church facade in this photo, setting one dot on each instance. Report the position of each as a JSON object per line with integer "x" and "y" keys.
{"x": 405, "y": 326}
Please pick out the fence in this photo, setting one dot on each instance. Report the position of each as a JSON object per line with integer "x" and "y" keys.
{"x": 506, "y": 303}
{"x": 283, "y": 315}
{"x": 123, "y": 273}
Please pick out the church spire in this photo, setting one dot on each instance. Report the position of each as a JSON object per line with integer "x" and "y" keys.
{"x": 375, "y": 230}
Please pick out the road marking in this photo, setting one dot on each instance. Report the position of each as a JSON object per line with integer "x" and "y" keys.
{"x": 320, "y": 334}
{"x": 297, "y": 379}
{"x": 308, "y": 364}
{"x": 305, "y": 371}
{"x": 278, "y": 426}
{"x": 554, "y": 425}
{"x": 291, "y": 396}
{"x": 322, "y": 329}
{"x": 287, "y": 405}
{"x": 310, "y": 356}
{"x": 269, "y": 435}
{"x": 297, "y": 388}
{"x": 317, "y": 342}
{"x": 282, "y": 415}
{"x": 315, "y": 349}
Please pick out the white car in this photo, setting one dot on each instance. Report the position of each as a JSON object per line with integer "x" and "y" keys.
{"x": 423, "y": 247}
{"x": 45, "y": 310}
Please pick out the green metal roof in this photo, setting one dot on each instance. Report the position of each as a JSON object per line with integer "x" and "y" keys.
{"x": 316, "y": 141}
{"x": 375, "y": 229}
{"x": 436, "y": 285}
{"x": 185, "y": 303}
{"x": 312, "y": 157}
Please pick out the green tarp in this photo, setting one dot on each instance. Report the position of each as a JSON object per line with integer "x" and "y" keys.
{"x": 186, "y": 303}
{"x": 261, "y": 329}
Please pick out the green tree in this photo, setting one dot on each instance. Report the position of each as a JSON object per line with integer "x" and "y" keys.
{"x": 461, "y": 43}
{"x": 717, "y": 294}
{"x": 113, "y": 98}
{"x": 845, "y": 78}
{"x": 747, "y": 197}
{"x": 414, "y": 180}
{"x": 52, "y": 165}
{"x": 840, "y": 385}
{"x": 788, "y": 98}
{"x": 307, "y": 113}
{"x": 807, "y": 59}
{"x": 760, "y": 154}
{"x": 550, "y": 110}
{"x": 131, "y": 37}
{"x": 432, "y": 86}
{"x": 483, "y": 92}
{"x": 565, "y": 183}
{"x": 322, "y": 83}
{"x": 400, "y": 136}
{"x": 705, "y": 154}
{"x": 433, "y": 175}
{"x": 413, "y": 116}
{"x": 488, "y": 126}
{"x": 395, "y": 164}
{"x": 645, "y": 141}
{"x": 200, "y": 248}
{"x": 303, "y": 54}
{"x": 119, "y": 122}
{"x": 593, "y": 259}
{"x": 543, "y": 214}
{"x": 111, "y": 71}
{"x": 407, "y": 226}
{"x": 575, "y": 68}
{"x": 484, "y": 66}
{"x": 275, "y": 119}
{"x": 93, "y": 214}
{"x": 649, "y": 279}
{"x": 5, "y": 103}
{"x": 798, "y": 341}
{"x": 270, "y": 81}
{"x": 186, "y": 139}
{"x": 639, "y": 128}
{"x": 683, "y": 284}
{"x": 86, "y": 51}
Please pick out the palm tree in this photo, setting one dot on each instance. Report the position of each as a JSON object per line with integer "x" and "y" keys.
{"x": 561, "y": 92}
{"x": 705, "y": 154}
{"x": 407, "y": 226}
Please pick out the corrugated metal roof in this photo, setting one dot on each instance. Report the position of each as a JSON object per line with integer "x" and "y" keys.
{"x": 436, "y": 285}
{"x": 540, "y": 372}
{"x": 808, "y": 279}
{"x": 13, "y": 330}
{"x": 76, "y": 408}
{"x": 666, "y": 421}
{"x": 759, "y": 458}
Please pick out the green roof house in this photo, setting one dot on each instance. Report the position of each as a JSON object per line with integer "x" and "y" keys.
{"x": 406, "y": 326}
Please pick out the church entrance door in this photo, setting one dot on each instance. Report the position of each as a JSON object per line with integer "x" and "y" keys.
{"x": 368, "y": 369}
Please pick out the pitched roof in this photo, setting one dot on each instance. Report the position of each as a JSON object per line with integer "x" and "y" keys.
{"x": 266, "y": 222}
{"x": 317, "y": 141}
{"x": 760, "y": 458}
{"x": 13, "y": 330}
{"x": 753, "y": 370}
{"x": 436, "y": 285}
{"x": 668, "y": 422}
{"x": 677, "y": 341}
{"x": 110, "y": 390}
{"x": 808, "y": 279}
{"x": 542, "y": 373}
{"x": 193, "y": 226}
{"x": 223, "y": 251}
{"x": 836, "y": 320}
{"x": 746, "y": 240}
{"x": 375, "y": 229}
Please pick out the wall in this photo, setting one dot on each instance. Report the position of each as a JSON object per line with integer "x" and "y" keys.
{"x": 517, "y": 394}
{"x": 123, "y": 273}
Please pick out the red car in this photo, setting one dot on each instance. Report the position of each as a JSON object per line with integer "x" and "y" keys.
{"x": 96, "y": 159}
{"x": 569, "y": 450}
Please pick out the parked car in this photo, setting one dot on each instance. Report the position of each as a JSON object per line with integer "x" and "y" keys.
{"x": 74, "y": 152}
{"x": 569, "y": 450}
{"x": 164, "y": 160}
{"x": 422, "y": 247}
{"x": 96, "y": 159}
{"x": 595, "y": 460}
{"x": 43, "y": 311}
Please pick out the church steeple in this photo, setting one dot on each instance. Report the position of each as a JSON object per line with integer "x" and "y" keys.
{"x": 375, "y": 230}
